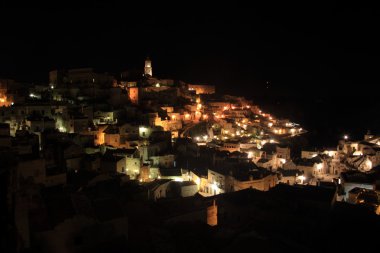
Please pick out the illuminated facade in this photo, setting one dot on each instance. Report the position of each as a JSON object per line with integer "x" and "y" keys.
{"x": 148, "y": 67}
{"x": 133, "y": 93}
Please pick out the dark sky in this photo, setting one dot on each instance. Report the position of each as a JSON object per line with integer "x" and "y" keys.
{"x": 297, "y": 48}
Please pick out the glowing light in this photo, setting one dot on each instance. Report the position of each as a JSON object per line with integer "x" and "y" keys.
{"x": 248, "y": 106}
{"x": 233, "y": 107}
{"x": 52, "y": 87}
{"x": 158, "y": 85}
{"x": 250, "y": 154}
{"x": 270, "y": 124}
{"x": 205, "y": 116}
{"x": 197, "y": 138}
{"x": 225, "y": 108}
{"x": 173, "y": 117}
{"x": 31, "y": 95}
{"x": 187, "y": 116}
{"x": 369, "y": 164}
{"x": 12, "y": 103}
{"x": 345, "y": 137}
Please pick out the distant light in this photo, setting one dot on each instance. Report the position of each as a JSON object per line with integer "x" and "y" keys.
{"x": 197, "y": 138}
{"x": 346, "y": 137}
{"x": 158, "y": 85}
{"x": 205, "y": 137}
{"x": 270, "y": 124}
{"x": 52, "y": 87}
{"x": 12, "y": 103}
{"x": 31, "y": 95}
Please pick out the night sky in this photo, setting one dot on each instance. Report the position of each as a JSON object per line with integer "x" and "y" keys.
{"x": 298, "y": 49}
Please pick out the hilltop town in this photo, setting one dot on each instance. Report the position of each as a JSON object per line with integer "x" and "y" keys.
{"x": 132, "y": 156}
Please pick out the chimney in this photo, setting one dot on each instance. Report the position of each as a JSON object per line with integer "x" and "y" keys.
{"x": 212, "y": 214}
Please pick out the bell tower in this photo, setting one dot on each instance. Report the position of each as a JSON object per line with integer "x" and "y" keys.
{"x": 148, "y": 67}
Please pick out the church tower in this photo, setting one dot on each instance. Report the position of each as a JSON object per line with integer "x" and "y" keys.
{"x": 148, "y": 67}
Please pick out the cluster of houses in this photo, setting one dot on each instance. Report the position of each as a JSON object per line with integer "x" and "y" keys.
{"x": 155, "y": 139}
